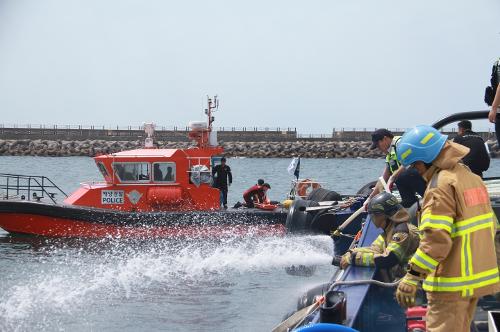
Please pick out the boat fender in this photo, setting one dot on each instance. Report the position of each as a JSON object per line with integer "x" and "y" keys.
{"x": 334, "y": 309}
{"x": 325, "y": 327}
{"x": 298, "y": 221}
{"x": 367, "y": 189}
{"x": 322, "y": 194}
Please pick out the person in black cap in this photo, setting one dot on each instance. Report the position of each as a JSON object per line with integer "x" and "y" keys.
{"x": 478, "y": 159}
{"x": 221, "y": 174}
{"x": 408, "y": 181}
{"x": 492, "y": 98}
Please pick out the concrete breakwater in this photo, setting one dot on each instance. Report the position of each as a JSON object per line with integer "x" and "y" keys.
{"x": 306, "y": 149}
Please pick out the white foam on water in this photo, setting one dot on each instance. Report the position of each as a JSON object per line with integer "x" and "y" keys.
{"x": 66, "y": 283}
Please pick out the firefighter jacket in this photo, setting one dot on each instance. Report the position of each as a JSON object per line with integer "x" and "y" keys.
{"x": 393, "y": 248}
{"x": 458, "y": 225}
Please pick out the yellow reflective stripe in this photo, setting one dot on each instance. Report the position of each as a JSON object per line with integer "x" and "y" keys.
{"x": 445, "y": 284}
{"x": 396, "y": 249}
{"x": 379, "y": 241}
{"x": 427, "y": 138}
{"x": 436, "y": 221}
{"x": 410, "y": 281}
{"x": 466, "y": 262}
{"x": 364, "y": 249}
{"x": 424, "y": 261}
{"x": 473, "y": 224}
{"x": 469, "y": 254}
{"x": 405, "y": 154}
{"x": 367, "y": 259}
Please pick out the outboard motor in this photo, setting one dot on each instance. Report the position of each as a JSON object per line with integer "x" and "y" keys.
{"x": 333, "y": 310}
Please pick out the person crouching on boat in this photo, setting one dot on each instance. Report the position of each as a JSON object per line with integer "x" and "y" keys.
{"x": 256, "y": 194}
{"x": 456, "y": 258}
{"x": 392, "y": 249}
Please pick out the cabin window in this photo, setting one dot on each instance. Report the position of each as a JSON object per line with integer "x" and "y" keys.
{"x": 164, "y": 172}
{"x": 102, "y": 169}
{"x": 132, "y": 172}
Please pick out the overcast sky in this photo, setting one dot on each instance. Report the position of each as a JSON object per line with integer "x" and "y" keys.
{"x": 314, "y": 65}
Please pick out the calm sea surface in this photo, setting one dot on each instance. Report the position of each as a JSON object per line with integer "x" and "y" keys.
{"x": 230, "y": 284}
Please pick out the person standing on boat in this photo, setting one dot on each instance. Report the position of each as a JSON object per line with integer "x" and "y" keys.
{"x": 223, "y": 178}
{"x": 392, "y": 249}
{"x": 456, "y": 258}
{"x": 478, "y": 159}
{"x": 492, "y": 97}
{"x": 408, "y": 182}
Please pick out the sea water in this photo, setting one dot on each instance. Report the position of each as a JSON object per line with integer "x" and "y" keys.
{"x": 227, "y": 284}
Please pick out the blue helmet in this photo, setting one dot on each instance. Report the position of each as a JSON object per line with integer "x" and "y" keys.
{"x": 422, "y": 143}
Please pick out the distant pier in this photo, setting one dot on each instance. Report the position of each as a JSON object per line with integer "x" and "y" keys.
{"x": 238, "y": 142}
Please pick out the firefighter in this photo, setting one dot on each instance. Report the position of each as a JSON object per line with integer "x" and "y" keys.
{"x": 392, "y": 249}
{"x": 456, "y": 258}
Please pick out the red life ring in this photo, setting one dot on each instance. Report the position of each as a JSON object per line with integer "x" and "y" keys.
{"x": 304, "y": 187}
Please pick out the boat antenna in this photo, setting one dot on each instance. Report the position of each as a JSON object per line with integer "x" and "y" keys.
{"x": 213, "y": 106}
{"x": 149, "y": 128}
{"x": 200, "y": 132}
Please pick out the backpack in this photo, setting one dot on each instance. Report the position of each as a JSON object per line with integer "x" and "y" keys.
{"x": 489, "y": 93}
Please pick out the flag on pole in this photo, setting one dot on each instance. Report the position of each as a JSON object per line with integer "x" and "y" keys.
{"x": 294, "y": 167}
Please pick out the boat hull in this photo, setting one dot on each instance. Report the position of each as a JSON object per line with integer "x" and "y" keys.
{"x": 73, "y": 221}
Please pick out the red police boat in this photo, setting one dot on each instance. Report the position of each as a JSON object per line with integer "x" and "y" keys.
{"x": 149, "y": 192}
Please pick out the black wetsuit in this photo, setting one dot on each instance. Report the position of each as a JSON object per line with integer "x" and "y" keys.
{"x": 222, "y": 174}
{"x": 478, "y": 159}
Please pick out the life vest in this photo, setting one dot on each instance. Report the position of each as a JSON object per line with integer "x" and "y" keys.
{"x": 391, "y": 158}
{"x": 251, "y": 192}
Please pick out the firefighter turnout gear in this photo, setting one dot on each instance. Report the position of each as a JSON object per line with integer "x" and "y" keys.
{"x": 457, "y": 248}
{"x": 422, "y": 143}
{"x": 451, "y": 315}
{"x": 391, "y": 249}
{"x": 407, "y": 290}
{"x": 384, "y": 203}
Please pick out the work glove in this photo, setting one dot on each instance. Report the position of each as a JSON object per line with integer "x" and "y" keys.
{"x": 407, "y": 290}
{"x": 346, "y": 260}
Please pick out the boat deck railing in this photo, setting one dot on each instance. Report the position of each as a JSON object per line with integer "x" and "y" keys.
{"x": 28, "y": 187}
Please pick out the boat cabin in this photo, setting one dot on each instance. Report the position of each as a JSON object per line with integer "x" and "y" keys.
{"x": 153, "y": 179}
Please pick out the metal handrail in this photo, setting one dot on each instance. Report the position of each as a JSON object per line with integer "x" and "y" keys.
{"x": 30, "y": 184}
